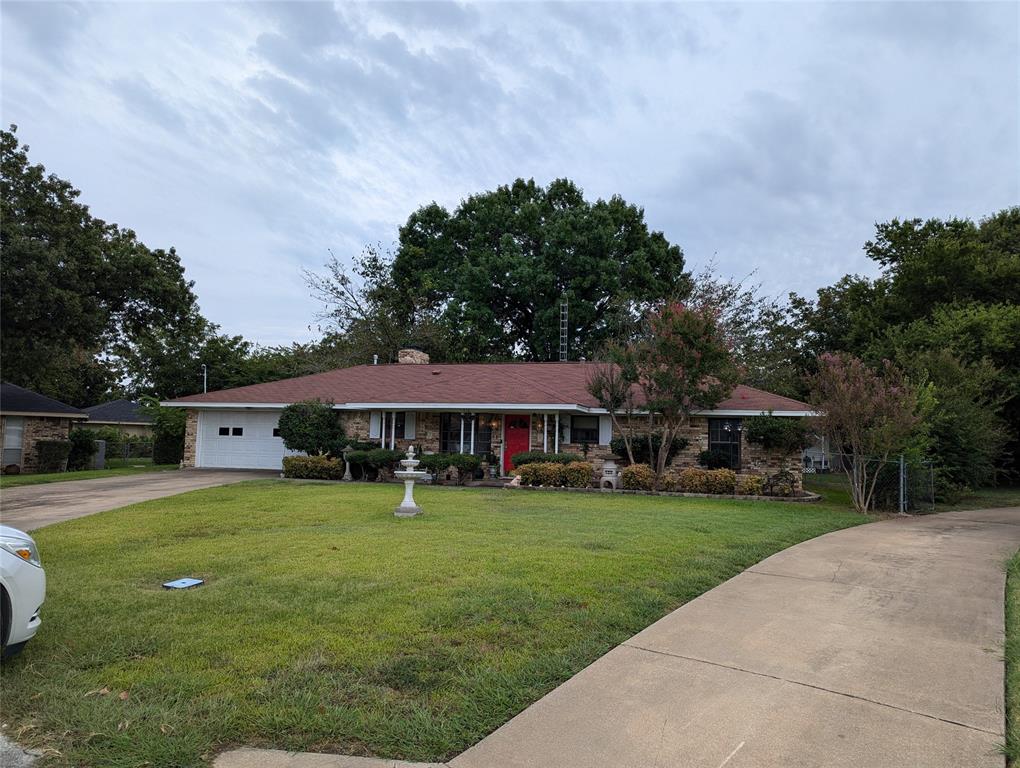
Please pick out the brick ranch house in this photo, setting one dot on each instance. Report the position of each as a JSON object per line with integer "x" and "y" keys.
{"x": 26, "y": 417}
{"x": 494, "y": 409}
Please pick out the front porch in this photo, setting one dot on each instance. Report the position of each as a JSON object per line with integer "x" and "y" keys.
{"x": 496, "y": 435}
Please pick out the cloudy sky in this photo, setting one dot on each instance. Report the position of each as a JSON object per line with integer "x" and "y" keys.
{"x": 255, "y": 136}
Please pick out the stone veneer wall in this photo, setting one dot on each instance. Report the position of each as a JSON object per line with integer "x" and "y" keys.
{"x": 754, "y": 460}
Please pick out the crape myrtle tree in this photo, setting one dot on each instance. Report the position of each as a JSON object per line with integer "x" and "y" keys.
{"x": 681, "y": 363}
{"x": 611, "y": 382}
{"x": 870, "y": 415}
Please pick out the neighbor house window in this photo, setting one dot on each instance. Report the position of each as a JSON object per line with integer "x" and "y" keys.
{"x": 224, "y": 431}
{"x": 724, "y": 437}
{"x": 584, "y": 429}
{"x": 276, "y": 431}
{"x": 14, "y": 435}
{"x": 237, "y": 431}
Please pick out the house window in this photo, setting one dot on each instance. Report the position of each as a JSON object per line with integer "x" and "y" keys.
{"x": 584, "y": 429}
{"x": 224, "y": 431}
{"x": 398, "y": 425}
{"x": 237, "y": 431}
{"x": 276, "y": 431}
{"x": 14, "y": 434}
{"x": 449, "y": 432}
{"x": 724, "y": 437}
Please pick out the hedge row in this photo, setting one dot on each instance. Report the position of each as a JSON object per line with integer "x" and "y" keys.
{"x": 541, "y": 457}
{"x": 313, "y": 468}
{"x": 576, "y": 474}
{"x": 641, "y": 477}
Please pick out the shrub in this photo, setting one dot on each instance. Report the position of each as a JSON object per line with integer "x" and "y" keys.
{"x": 714, "y": 459}
{"x": 782, "y": 483}
{"x": 383, "y": 458}
{"x": 720, "y": 481}
{"x": 547, "y": 474}
{"x": 692, "y": 480}
{"x": 313, "y": 468}
{"x": 168, "y": 427}
{"x": 167, "y": 448}
{"x": 51, "y": 455}
{"x": 639, "y": 446}
{"x": 83, "y": 448}
{"x": 312, "y": 427}
{"x": 578, "y": 474}
{"x": 534, "y": 457}
{"x": 638, "y": 477}
{"x": 750, "y": 486}
{"x": 670, "y": 481}
{"x": 465, "y": 463}
{"x": 781, "y": 433}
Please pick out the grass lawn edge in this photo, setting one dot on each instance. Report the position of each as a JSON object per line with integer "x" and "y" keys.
{"x": 1011, "y": 748}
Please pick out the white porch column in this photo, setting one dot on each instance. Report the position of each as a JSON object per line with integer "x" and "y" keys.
{"x": 393, "y": 430}
{"x": 382, "y": 429}
{"x": 462, "y": 433}
{"x": 473, "y": 435}
{"x": 557, "y": 431}
{"x": 545, "y": 433}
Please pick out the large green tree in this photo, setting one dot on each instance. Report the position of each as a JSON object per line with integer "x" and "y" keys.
{"x": 497, "y": 268}
{"x": 946, "y": 308}
{"x": 73, "y": 286}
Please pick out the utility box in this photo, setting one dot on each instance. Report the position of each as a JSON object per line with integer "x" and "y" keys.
{"x": 99, "y": 457}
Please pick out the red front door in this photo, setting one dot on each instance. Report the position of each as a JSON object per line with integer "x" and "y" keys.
{"x": 517, "y": 434}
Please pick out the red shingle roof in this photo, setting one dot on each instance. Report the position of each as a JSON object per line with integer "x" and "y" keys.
{"x": 507, "y": 383}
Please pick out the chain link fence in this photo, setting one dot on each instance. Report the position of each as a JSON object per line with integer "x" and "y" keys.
{"x": 122, "y": 453}
{"x": 900, "y": 484}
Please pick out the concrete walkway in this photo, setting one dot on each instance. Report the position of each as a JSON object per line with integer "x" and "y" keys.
{"x": 878, "y": 646}
{"x": 28, "y": 507}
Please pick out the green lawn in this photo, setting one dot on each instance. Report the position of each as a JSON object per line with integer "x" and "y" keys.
{"x": 120, "y": 467}
{"x": 1012, "y": 747}
{"x": 327, "y": 624}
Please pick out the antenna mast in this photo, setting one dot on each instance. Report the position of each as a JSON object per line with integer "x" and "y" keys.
{"x": 563, "y": 330}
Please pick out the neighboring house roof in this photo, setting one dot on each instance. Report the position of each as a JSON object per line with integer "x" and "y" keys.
{"x": 18, "y": 401}
{"x": 548, "y": 385}
{"x": 121, "y": 411}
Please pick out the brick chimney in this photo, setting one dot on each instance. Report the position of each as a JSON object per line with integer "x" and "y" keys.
{"x": 412, "y": 357}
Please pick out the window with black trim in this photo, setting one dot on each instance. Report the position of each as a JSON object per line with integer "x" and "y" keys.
{"x": 224, "y": 431}
{"x": 237, "y": 431}
{"x": 584, "y": 429}
{"x": 276, "y": 431}
{"x": 724, "y": 437}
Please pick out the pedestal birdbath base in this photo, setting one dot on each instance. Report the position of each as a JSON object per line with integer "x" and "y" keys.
{"x": 408, "y": 507}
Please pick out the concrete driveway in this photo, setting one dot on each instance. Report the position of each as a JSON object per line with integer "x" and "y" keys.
{"x": 33, "y": 506}
{"x": 875, "y": 647}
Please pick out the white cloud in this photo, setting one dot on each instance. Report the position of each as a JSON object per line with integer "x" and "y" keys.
{"x": 254, "y": 137}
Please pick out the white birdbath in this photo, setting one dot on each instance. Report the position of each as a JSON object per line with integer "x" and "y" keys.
{"x": 409, "y": 474}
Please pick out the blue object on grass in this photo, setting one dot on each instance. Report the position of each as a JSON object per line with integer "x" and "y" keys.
{"x": 183, "y": 583}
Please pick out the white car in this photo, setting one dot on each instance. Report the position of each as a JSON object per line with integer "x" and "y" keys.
{"x": 22, "y": 589}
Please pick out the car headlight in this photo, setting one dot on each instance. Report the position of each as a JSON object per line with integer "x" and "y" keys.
{"x": 23, "y": 548}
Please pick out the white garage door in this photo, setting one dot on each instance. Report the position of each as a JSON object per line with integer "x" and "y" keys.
{"x": 240, "y": 440}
